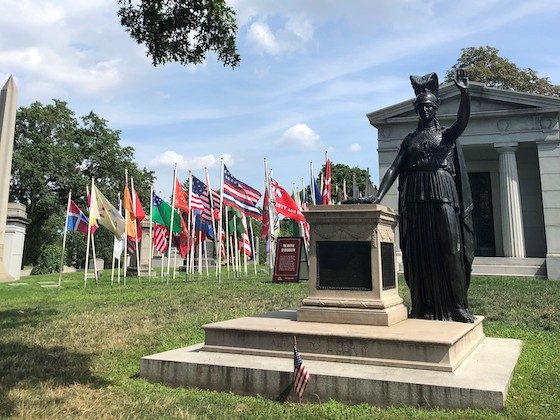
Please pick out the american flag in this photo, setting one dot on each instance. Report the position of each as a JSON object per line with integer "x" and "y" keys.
{"x": 301, "y": 374}
{"x": 160, "y": 239}
{"x": 240, "y": 195}
{"x": 197, "y": 190}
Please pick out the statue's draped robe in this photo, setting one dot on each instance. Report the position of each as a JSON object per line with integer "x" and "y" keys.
{"x": 436, "y": 232}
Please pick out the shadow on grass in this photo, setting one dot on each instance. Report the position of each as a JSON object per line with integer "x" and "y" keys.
{"x": 28, "y": 366}
{"x": 16, "y": 318}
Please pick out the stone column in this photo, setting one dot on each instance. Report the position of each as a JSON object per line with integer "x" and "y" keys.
{"x": 16, "y": 224}
{"x": 549, "y": 167}
{"x": 8, "y": 98}
{"x": 512, "y": 229}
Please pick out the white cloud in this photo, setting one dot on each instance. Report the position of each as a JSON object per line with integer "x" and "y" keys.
{"x": 354, "y": 147}
{"x": 170, "y": 158}
{"x": 301, "y": 27}
{"x": 262, "y": 37}
{"x": 301, "y": 136}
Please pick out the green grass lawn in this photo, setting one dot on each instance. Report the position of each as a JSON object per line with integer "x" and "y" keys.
{"x": 72, "y": 352}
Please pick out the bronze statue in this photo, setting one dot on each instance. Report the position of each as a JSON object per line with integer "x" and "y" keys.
{"x": 435, "y": 205}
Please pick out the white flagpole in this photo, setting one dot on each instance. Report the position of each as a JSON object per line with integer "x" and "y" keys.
{"x": 115, "y": 247}
{"x": 270, "y": 221}
{"x": 192, "y": 220}
{"x": 125, "y": 231}
{"x": 171, "y": 226}
{"x": 219, "y": 239}
{"x": 89, "y": 233}
{"x": 211, "y": 200}
{"x": 206, "y": 259}
{"x": 133, "y": 192}
{"x": 228, "y": 246}
{"x": 252, "y": 239}
{"x": 93, "y": 249}
{"x": 64, "y": 238}
{"x": 151, "y": 248}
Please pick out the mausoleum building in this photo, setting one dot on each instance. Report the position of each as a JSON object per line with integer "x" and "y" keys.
{"x": 512, "y": 152}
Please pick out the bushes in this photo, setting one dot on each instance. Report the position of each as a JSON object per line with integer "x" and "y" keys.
{"x": 49, "y": 259}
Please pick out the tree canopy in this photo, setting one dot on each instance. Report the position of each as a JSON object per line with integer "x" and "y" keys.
{"x": 485, "y": 65}
{"x": 182, "y": 31}
{"x": 54, "y": 153}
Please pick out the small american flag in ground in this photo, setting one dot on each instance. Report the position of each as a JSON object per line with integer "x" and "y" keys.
{"x": 301, "y": 374}
{"x": 160, "y": 238}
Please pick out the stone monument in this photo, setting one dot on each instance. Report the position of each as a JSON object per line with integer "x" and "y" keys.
{"x": 8, "y": 98}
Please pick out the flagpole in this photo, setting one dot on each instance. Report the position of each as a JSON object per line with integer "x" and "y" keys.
{"x": 270, "y": 221}
{"x": 211, "y": 200}
{"x": 125, "y": 230}
{"x": 89, "y": 233}
{"x": 220, "y": 228}
{"x": 312, "y": 184}
{"x": 228, "y": 247}
{"x": 272, "y": 225}
{"x": 151, "y": 248}
{"x": 136, "y": 228}
{"x": 64, "y": 238}
{"x": 191, "y": 226}
{"x": 206, "y": 259}
{"x": 236, "y": 253}
{"x": 114, "y": 248}
{"x": 252, "y": 239}
{"x": 171, "y": 226}
{"x": 93, "y": 248}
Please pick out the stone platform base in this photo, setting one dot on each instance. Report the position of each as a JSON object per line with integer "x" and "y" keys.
{"x": 437, "y": 363}
{"x": 480, "y": 382}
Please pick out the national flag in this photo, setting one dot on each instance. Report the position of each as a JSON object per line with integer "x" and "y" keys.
{"x": 183, "y": 241}
{"x": 160, "y": 238}
{"x": 161, "y": 213}
{"x": 130, "y": 245}
{"x": 202, "y": 226}
{"x": 327, "y": 184}
{"x": 240, "y": 195}
{"x": 77, "y": 221}
{"x": 244, "y": 243}
{"x": 316, "y": 192}
{"x": 130, "y": 216}
{"x": 180, "y": 197}
{"x": 118, "y": 247}
{"x": 105, "y": 213}
{"x": 301, "y": 374}
{"x": 284, "y": 204}
{"x": 198, "y": 188}
{"x": 211, "y": 201}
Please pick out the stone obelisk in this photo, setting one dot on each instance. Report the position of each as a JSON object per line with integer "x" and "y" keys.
{"x": 8, "y": 98}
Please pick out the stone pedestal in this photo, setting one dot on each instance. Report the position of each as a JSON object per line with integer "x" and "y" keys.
{"x": 16, "y": 225}
{"x": 352, "y": 271}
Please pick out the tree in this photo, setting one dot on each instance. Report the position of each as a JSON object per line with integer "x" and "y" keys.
{"x": 182, "y": 31}
{"x": 54, "y": 153}
{"x": 484, "y": 65}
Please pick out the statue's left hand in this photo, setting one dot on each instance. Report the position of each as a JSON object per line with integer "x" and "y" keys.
{"x": 461, "y": 79}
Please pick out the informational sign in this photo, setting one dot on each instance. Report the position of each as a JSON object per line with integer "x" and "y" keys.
{"x": 288, "y": 259}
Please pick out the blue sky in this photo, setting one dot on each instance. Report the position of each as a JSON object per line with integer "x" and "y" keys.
{"x": 310, "y": 72}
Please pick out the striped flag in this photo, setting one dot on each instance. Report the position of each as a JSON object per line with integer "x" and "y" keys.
{"x": 327, "y": 184}
{"x": 160, "y": 238}
{"x": 241, "y": 196}
{"x": 197, "y": 190}
{"x": 301, "y": 374}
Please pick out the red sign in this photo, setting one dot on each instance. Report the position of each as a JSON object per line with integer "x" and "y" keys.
{"x": 288, "y": 255}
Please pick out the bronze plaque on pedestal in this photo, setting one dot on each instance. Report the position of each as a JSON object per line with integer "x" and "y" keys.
{"x": 344, "y": 265}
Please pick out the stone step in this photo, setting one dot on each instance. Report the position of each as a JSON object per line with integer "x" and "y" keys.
{"x": 503, "y": 266}
{"x": 412, "y": 343}
{"x": 481, "y": 381}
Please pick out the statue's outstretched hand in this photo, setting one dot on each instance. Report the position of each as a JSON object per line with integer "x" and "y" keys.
{"x": 372, "y": 199}
{"x": 461, "y": 79}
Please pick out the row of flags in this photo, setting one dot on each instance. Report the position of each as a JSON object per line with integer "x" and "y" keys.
{"x": 196, "y": 213}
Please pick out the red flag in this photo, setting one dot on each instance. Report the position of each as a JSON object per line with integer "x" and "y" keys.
{"x": 180, "y": 201}
{"x": 160, "y": 238}
{"x": 327, "y": 183}
{"x": 285, "y": 204}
